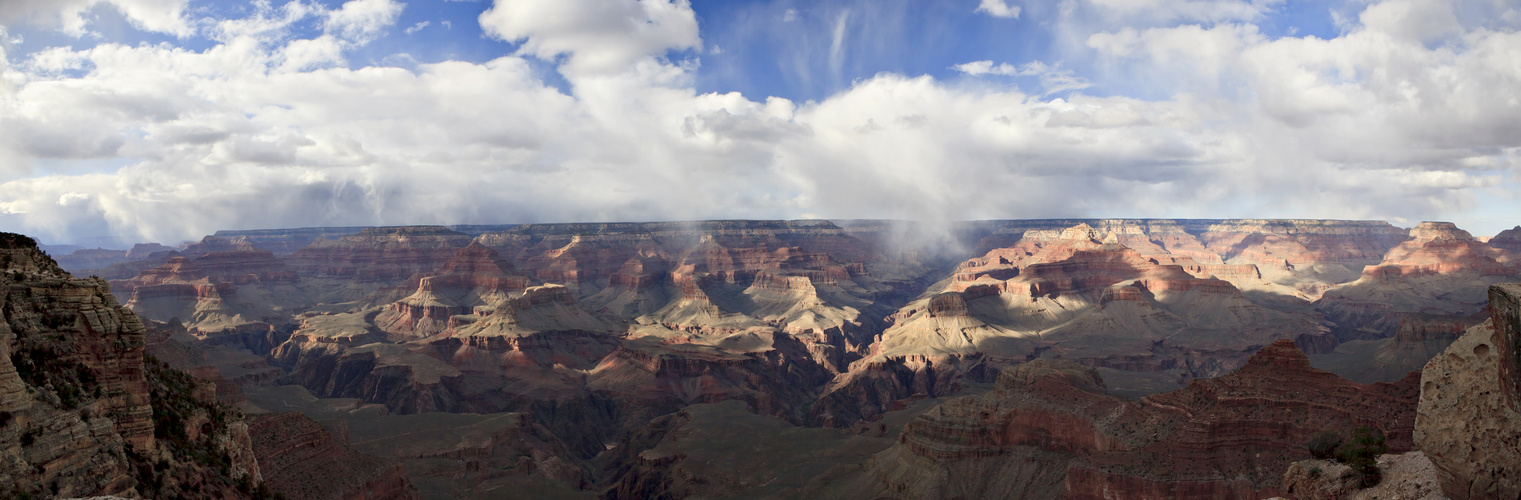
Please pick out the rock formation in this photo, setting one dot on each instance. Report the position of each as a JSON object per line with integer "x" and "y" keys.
{"x": 1406, "y": 476}
{"x": 473, "y": 283}
{"x": 1078, "y": 295}
{"x": 1441, "y": 270}
{"x": 82, "y": 413}
{"x": 591, "y": 333}
{"x": 217, "y": 292}
{"x": 378, "y": 256}
{"x": 1048, "y": 429}
{"x": 1509, "y": 241}
{"x": 1469, "y": 421}
{"x": 300, "y": 459}
{"x": 90, "y": 259}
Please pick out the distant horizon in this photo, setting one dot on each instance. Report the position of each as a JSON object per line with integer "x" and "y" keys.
{"x": 126, "y": 120}
{"x": 122, "y": 246}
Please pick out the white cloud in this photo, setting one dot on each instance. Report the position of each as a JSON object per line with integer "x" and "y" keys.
{"x": 1053, "y": 78}
{"x": 997, "y": 8}
{"x": 1419, "y": 20}
{"x": 599, "y": 36}
{"x": 362, "y": 20}
{"x": 73, "y": 16}
{"x": 72, "y": 198}
{"x": 417, "y": 27}
{"x": 789, "y": 15}
{"x": 266, "y": 130}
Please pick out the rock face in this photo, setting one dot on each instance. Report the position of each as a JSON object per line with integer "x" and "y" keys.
{"x": 217, "y": 292}
{"x": 1469, "y": 422}
{"x": 474, "y": 283}
{"x": 1508, "y": 240}
{"x": 1441, "y": 270}
{"x": 1079, "y": 294}
{"x": 380, "y": 254}
{"x": 81, "y": 411}
{"x": 299, "y": 459}
{"x": 90, "y": 259}
{"x": 284, "y": 242}
{"x": 1049, "y": 429}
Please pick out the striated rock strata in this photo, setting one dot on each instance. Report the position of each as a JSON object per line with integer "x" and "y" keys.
{"x": 299, "y": 459}
{"x": 1078, "y": 294}
{"x": 1048, "y": 429}
{"x": 83, "y": 413}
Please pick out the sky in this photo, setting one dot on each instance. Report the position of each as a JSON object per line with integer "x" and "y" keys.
{"x": 128, "y": 121}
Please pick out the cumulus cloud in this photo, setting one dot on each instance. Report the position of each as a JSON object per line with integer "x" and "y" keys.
{"x": 598, "y": 36}
{"x": 73, "y": 16}
{"x": 997, "y": 8}
{"x": 1402, "y": 118}
{"x": 362, "y": 20}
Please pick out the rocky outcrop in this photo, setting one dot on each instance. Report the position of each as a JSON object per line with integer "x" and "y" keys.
{"x": 1227, "y": 437}
{"x": 476, "y": 280}
{"x": 300, "y": 459}
{"x": 1407, "y": 476}
{"x": 83, "y": 413}
{"x": 1469, "y": 422}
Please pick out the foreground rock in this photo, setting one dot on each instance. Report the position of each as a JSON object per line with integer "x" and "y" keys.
{"x": 82, "y": 413}
{"x": 1469, "y": 422}
{"x": 1408, "y": 476}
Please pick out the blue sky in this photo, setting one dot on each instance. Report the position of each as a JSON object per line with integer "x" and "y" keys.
{"x": 162, "y": 120}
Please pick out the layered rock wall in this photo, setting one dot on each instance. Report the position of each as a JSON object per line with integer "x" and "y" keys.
{"x": 1228, "y": 437}
{"x": 300, "y": 459}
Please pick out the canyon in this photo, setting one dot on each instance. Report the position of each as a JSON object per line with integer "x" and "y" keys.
{"x": 1094, "y": 358}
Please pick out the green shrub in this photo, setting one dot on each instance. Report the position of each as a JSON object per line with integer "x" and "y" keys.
{"x": 1323, "y": 444}
{"x": 1361, "y": 453}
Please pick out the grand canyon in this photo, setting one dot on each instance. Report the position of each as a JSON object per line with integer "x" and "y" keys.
{"x": 1093, "y": 358}
{"x": 760, "y": 249}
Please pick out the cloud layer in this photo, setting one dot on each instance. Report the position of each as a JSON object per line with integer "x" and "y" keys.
{"x": 1412, "y": 113}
